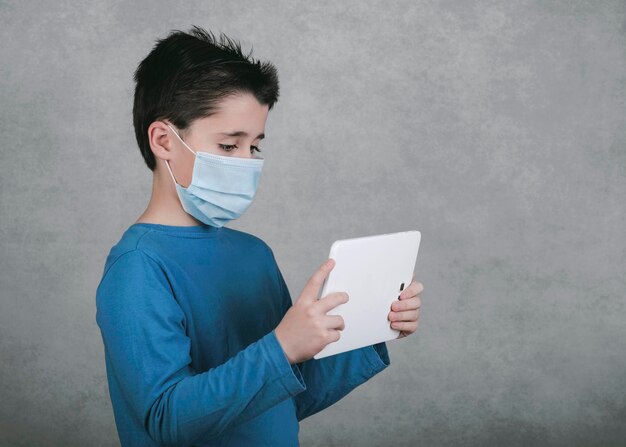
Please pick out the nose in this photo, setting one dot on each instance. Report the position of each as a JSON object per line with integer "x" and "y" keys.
{"x": 248, "y": 154}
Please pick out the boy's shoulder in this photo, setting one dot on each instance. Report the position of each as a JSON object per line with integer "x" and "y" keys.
{"x": 128, "y": 243}
{"x": 147, "y": 240}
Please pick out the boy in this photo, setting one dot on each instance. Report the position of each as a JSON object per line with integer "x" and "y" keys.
{"x": 203, "y": 345}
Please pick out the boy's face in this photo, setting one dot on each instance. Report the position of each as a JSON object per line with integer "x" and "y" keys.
{"x": 242, "y": 116}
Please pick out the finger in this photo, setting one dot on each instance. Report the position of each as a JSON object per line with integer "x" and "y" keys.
{"x": 334, "y": 335}
{"x": 330, "y": 301}
{"x": 312, "y": 287}
{"x": 407, "y": 315}
{"x": 407, "y": 304}
{"x": 413, "y": 289}
{"x": 406, "y": 326}
{"x": 335, "y": 322}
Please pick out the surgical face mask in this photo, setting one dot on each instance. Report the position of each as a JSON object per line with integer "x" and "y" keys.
{"x": 221, "y": 187}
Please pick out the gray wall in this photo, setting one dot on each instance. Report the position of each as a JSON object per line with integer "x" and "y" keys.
{"x": 498, "y": 129}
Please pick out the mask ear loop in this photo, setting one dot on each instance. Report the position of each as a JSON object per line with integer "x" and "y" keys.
{"x": 181, "y": 140}
{"x": 170, "y": 170}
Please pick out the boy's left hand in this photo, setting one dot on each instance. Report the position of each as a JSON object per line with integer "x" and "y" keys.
{"x": 405, "y": 312}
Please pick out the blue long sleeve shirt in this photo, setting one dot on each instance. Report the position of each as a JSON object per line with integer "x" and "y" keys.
{"x": 187, "y": 317}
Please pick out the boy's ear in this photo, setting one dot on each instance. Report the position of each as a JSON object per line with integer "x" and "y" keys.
{"x": 159, "y": 137}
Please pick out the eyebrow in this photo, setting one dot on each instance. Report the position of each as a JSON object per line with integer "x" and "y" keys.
{"x": 241, "y": 133}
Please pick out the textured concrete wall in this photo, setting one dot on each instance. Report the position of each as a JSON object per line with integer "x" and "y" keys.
{"x": 498, "y": 129}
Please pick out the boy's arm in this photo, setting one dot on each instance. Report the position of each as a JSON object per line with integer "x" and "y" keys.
{"x": 331, "y": 378}
{"x": 143, "y": 330}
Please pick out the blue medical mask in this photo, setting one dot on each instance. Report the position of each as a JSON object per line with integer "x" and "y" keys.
{"x": 221, "y": 187}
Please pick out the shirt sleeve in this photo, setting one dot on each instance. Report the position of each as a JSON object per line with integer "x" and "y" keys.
{"x": 143, "y": 330}
{"x": 331, "y": 378}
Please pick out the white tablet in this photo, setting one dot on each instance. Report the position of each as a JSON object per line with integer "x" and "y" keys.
{"x": 372, "y": 270}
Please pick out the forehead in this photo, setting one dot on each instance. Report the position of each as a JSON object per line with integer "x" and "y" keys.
{"x": 240, "y": 112}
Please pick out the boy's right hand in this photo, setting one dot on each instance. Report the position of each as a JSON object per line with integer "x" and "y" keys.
{"x": 305, "y": 328}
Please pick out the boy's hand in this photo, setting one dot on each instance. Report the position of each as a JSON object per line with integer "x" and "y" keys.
{"x": 405, "y": 312}
{"x": 305, "y": 328}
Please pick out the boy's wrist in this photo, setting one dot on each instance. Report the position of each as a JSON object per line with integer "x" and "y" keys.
{"x": 283, "y": 346}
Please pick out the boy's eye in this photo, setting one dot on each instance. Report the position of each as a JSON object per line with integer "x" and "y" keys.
{"x": 230, "y": 147}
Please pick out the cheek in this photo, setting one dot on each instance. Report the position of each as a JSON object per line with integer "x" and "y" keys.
{"x": 186, "y": 168}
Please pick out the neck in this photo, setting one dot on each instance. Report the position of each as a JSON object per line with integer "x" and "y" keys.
{"x": 164, "y": 206}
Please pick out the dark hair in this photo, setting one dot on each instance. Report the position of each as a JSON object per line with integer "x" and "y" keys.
{"x": 186, "y": 75}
